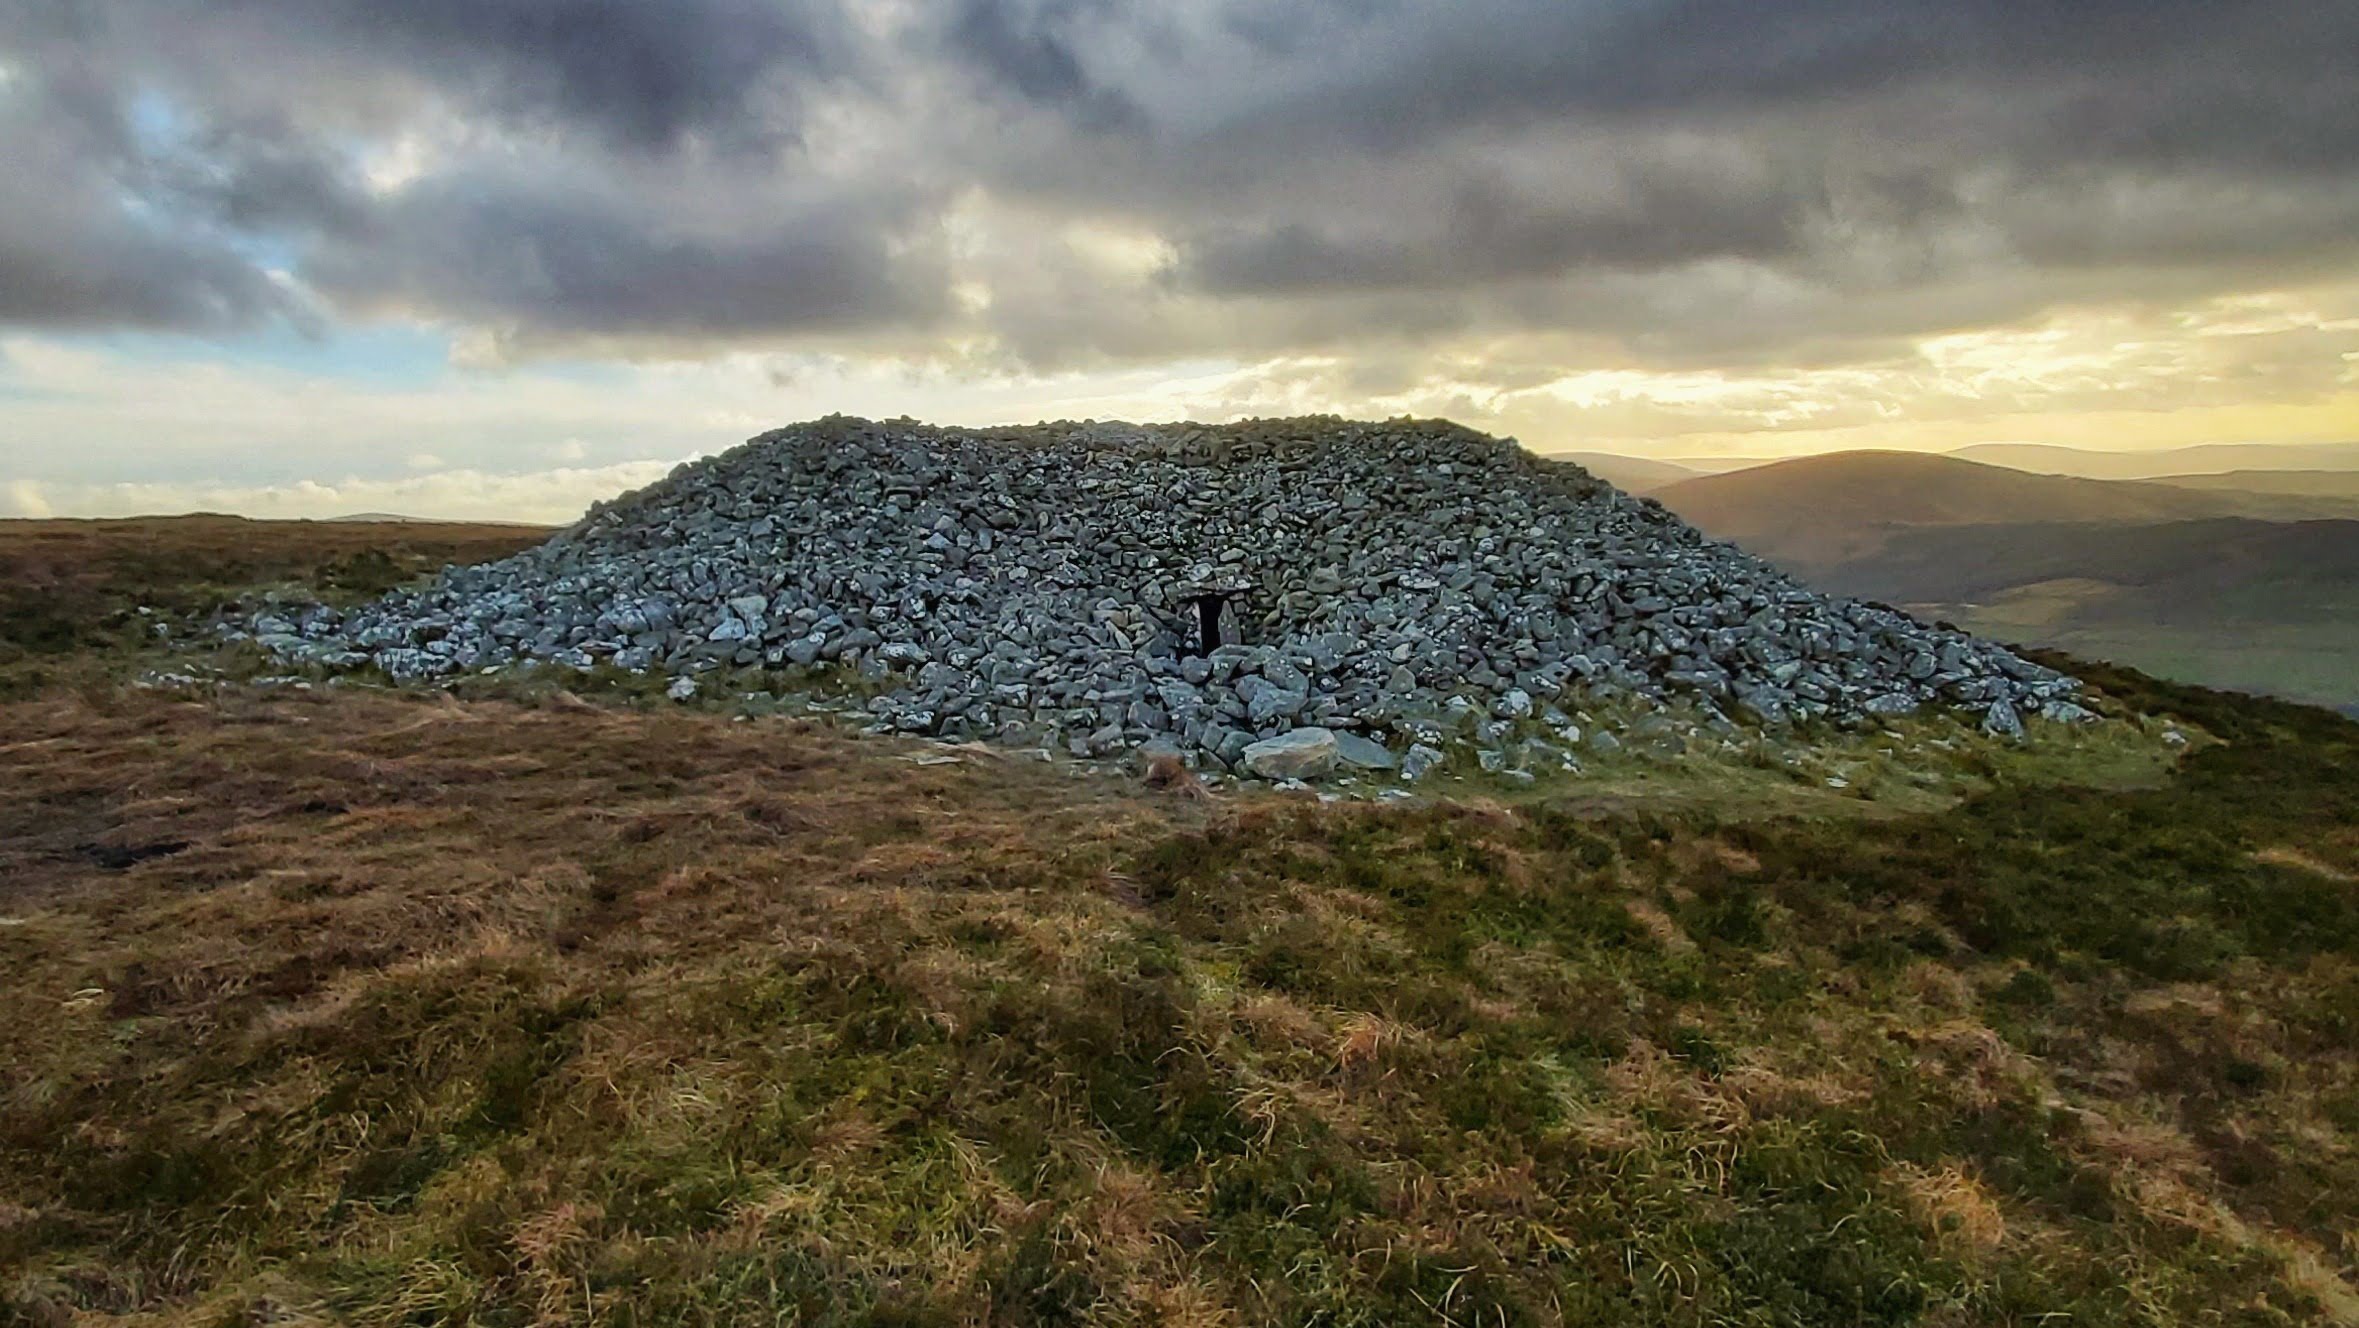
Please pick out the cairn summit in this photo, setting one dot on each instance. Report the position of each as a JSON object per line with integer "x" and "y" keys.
{"x": 1402, "y": 586}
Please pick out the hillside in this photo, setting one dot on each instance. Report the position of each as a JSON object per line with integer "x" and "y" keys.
{"x": 1630, "y": 474}
{"x": 543, "y": 1005}
{"x": 1819, "y": 513}
{"x": 2179, "y": 580}
{"x": 2256, "y": 605}
{"x": 2210, "y": 458}
{"x": 2201, "y": 568}
{"x": 2305, "y": 483}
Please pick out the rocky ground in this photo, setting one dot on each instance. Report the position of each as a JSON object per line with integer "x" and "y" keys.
{"x": 1283, "y": 598}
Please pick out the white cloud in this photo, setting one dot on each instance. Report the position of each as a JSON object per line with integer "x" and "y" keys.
{"x": 265, "y": 441}
{"x": 540, "y": 442}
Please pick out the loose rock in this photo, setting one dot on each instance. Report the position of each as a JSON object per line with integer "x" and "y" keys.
{"x": 1052, "y": 586}
{"x": 1366, "y": 753}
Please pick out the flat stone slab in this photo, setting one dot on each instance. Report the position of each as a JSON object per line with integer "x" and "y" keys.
{"x": 1366, "y": 753}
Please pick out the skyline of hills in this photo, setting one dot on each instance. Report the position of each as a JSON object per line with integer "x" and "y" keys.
{"x": 1824, "y": 511}
{"x": 2317, "y": 468}
{"x": 2192, "y": 577}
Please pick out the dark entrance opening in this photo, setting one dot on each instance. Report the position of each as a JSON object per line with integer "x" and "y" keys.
{"x": 1208, "y": 605}
{"x": 1201, "y": 602}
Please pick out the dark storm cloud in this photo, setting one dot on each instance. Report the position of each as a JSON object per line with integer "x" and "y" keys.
{"x": 641, "y": 73}
{"x": 542, "y": 256}
{"x": 67, "y": 261}
{"x": 1837, "y": 100}
{"x": 1024, "y": 47}
{"x": 256, "y": 177}
{"x": 74, "y": 253}
{"x": 645, "y": 73}
{"x": 182, "y": 143}
{"x": 1695, "y": 180}
{"x": 2167, "y": 79}
{"x": 1483, "y": 232}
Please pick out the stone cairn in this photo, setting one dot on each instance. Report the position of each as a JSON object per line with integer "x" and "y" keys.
{"x": 1276, "y": 597}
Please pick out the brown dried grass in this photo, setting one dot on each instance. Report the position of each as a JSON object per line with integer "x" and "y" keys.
{"x": 257, "y": 862}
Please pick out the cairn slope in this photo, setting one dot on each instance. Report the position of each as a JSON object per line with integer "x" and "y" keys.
{"x": 1409, "y": 581}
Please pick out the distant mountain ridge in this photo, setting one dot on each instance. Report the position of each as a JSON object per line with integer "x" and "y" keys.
{"x": 2204, "y": 459}
{"x": 2313, "y": 483}
{"x": 1827, "y": 511}
{"x": 1628, "y": 473}
{"x": 2267, "y": 467}
{"x": 2201, "y": 579}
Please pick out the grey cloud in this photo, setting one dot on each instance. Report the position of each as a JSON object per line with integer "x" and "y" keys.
{"x": 645, "y": 73}
{"x": 67, "y": 261}
{"x": 257, "y": 177}
{"x": 1897, "y": 166}
{"x": 1484, "y": 232}
{"x": 1683, "y": 181}
{"x": 182, "y": 143}
{"x": 80, "y": 248}
{"x": 549, "y": 258}
{"x": 1026, "y": 47}
{"x": 637, "y": 73}
{"x": 2171, "y": 79}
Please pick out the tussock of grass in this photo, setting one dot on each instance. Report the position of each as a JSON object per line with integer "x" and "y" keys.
{"x": 524, "y": 1011}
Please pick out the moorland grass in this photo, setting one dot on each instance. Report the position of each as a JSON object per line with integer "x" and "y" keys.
{"x": 78, "y": 597}
{"x": 379, "y": 1007}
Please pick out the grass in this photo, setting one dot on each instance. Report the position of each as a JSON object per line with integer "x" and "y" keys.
{"x": 84, "y": 596}
{"x": 2249, "y": 605}
{"x": 390, "y": 1007}
{"x": 2300, "y": 661}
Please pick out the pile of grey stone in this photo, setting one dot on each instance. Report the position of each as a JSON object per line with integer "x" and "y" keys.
{"x": 1284, "y": 597}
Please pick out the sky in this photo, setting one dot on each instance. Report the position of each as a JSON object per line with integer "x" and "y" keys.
{"x": 498, "y": 258}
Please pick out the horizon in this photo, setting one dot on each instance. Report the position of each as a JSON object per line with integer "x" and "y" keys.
{"x": 299, "y": 505}
{"x": 488, "y": 263}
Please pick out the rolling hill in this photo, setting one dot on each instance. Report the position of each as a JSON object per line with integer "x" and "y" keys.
{"x": 1630, "y": 474}
{"x": 1822, "y": 513}
{"x": 2309, "y": 483}
{"x": 2225, "y": 586}
{"x": 2207, "y": 459}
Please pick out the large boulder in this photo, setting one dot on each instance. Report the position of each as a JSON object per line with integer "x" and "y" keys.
{"x": 1306, "y": 753}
